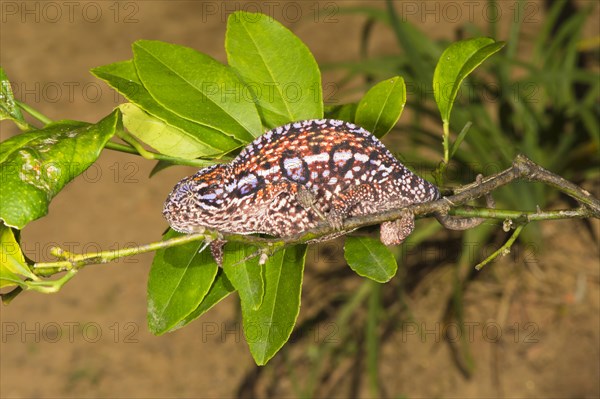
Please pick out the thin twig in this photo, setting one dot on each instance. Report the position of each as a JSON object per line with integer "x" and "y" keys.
{"x": 503, "y": 250}
{"x": 75, "y": 261}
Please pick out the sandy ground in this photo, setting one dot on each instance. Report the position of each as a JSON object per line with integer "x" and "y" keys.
{"x": 534, "y": 316}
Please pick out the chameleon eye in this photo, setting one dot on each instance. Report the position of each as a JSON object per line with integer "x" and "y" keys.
{"x": 183, "y": 192}
{"x": 210, "y": 197}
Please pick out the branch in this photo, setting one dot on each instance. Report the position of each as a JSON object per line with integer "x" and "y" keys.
{"x": 522, "y": 168}
{"x": 76, "y": 261}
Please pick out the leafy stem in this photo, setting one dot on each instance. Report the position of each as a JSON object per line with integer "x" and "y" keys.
{"x": 34, "y": 112}
{"x": 441, "y": 169}
{"x": 51, "y": 286}
{"x": 132, "y": 141}
{"x": 446, "y": 127}
{"x": 504, "y": 249}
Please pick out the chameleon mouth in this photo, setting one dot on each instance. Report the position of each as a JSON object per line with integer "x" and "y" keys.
{"x": 194, "y": 229}
{"x": 175, "y": 216}
{"x": 184, "y": 226}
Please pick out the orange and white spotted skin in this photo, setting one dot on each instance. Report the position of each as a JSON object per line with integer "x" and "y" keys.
{"x": 344, "y": 170}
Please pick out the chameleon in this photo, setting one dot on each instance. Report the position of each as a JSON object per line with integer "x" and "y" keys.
{"x": 293, "y": 177}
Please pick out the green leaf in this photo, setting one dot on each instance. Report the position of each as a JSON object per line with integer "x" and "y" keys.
{"x": 368, "y": 257}
{"x": 160, "y": 166}
{"x": 220, "y": 289}
{"x": 278, "y": 68}
{"x": 8, "y": 107}
{"x": 379, "y": 110}
{"x": 179, "y": 279}
{"x": 9, "y": 279}
{"x": 245, "y": 274}
{"x": 164, "y": 138}
{"x": 455, "y": 64}
{"x": 192, "y": 138}
{"x": 36, "y": 165}
{"x": 12, "y": 261}
{"x": 197, "y": 87}
{"x": 344, "y": 112}
{"x": 269, "y": 327}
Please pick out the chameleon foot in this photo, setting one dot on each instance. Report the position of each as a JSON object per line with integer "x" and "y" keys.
{"x": 216, "y": 249}
{"x": 396, "y": 231}
{"x": 335, "y": 219}
{"x": 308, "y": 200}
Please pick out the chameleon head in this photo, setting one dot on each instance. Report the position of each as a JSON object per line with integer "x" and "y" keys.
{"x": 198, "y": 201}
